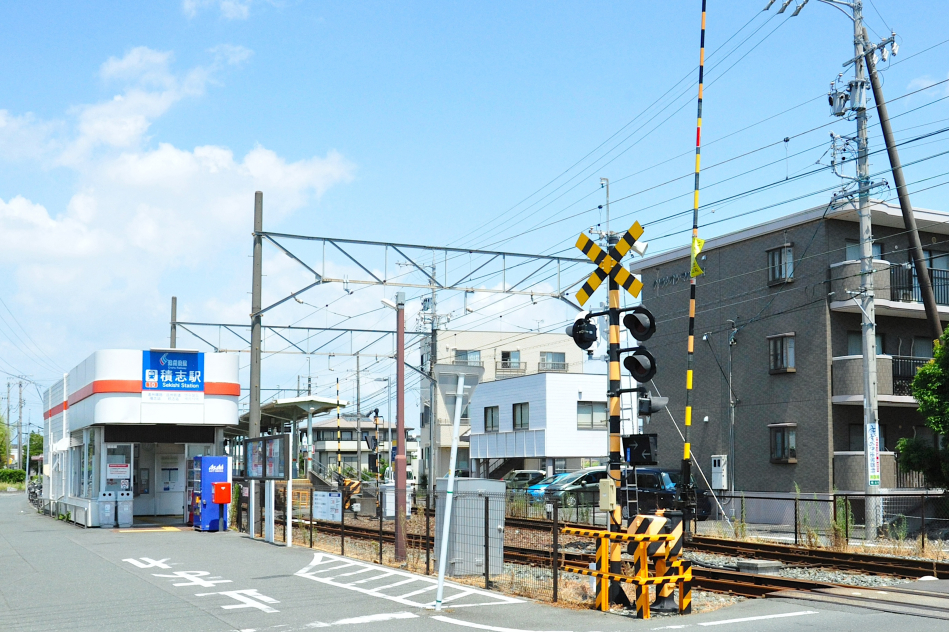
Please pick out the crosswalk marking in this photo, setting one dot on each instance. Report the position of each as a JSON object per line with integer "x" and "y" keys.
{"x": 324, "y": 563}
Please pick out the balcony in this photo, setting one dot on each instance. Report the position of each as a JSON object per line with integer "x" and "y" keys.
{"x": 458, "y": 362}
{"x": 553, "y": 367}
{"x": 894, "y": 287}
{"x": 894, "y": 377}
{"x": 509, "y": 368}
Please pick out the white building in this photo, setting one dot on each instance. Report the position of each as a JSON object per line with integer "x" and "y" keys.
{"x": 549, "y": 421}
{"x": 504, "y": 355}
{"x": 130, "y": 420}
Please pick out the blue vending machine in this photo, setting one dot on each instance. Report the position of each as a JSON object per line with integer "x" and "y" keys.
{"x": 207, "y": 471}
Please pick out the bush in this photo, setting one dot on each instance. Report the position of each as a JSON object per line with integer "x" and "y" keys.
{"x": 12, "y": 476}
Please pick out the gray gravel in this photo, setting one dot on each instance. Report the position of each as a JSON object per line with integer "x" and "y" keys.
{"x": 800, "y": 572}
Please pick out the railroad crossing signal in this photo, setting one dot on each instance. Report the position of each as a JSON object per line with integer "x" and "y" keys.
{"x": 609, "y": 264}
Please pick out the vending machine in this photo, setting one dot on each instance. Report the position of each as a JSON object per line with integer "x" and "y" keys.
{"x": 209, "y": 470}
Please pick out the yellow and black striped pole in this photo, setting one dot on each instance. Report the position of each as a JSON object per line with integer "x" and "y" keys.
{"x": 616, "y": 593}
{"x": 685, "y": 484}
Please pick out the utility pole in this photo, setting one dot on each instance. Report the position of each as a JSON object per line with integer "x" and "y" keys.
{"x": 400, "y": 490}
{"x": 173, "y": 340}
{"x": 358, "y": 423}
{"x": 253, "y": 422}
{"x": 732, "y": 404}
{"x": 906, "y": 207}
{"x": 19, "y": 429}
{"x": 255, "y": 341}
{"x": 9, "y": 446}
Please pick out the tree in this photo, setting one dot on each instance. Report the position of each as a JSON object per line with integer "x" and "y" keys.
{"x": 931, "y": 389}
{"x": 36, "y": 446}
{"x": 4, "y": 443}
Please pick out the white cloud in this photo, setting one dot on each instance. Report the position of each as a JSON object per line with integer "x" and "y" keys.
{"x": 230, "y": 54}
{"x": 925, "y": 81}
{"x": 230, "y": 9}
{"x": 141, "y": 212}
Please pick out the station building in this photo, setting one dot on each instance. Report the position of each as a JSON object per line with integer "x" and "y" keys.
{"x": 132, "y": 420}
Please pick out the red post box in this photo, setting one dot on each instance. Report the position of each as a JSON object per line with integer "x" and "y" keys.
{"x": 222, "y": 493}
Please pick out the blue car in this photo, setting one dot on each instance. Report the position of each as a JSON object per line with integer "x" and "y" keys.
{"x": 537, "y": 489}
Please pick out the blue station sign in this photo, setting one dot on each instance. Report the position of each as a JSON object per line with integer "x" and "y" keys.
{"x": 172, "y": 376}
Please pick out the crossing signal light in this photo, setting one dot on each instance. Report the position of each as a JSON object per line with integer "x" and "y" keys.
{"x": 641, "y": 365}
{"x": 583, "y": 331}
{"x": 649, "y": 405}
{"x": 640, "y": 323}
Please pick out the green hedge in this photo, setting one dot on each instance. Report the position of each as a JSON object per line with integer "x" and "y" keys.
{"x": 12, "y": 476}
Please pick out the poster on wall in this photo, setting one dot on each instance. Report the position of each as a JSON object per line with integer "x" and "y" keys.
{"x": 267, "y": 457}
{"x": 172, "y": 377}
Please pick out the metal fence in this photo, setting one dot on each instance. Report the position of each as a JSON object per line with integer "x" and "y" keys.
{"x": 830, "y": 520}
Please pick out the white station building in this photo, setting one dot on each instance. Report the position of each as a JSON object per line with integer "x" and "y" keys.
{"x": 131, "y": 420}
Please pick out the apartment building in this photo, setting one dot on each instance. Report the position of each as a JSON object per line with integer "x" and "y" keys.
{"x": 504, "y": 355}
{"x": 782, "y": 291}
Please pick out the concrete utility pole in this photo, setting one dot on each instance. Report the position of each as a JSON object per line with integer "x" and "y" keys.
{"x": 909, "y": 220}
{"x": 19, "y": 429}
{"x": 400, "y": 491}
{"x": 732, "y": 404}
{"x": 255, "y": 342}
{"x": 173, "y": 340}
{"x": 9, "y": 446}
{"x": 865, "y": 298}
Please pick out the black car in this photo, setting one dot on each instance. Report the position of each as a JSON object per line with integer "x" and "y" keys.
{"x": 580, "y": 489}
{"x": 655, "y": 488}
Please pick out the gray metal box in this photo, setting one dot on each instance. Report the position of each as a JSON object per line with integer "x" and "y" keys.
{"x": 106, "y": 509}
{"x": 124, "y": 509}
{"x": 467, "y": 529}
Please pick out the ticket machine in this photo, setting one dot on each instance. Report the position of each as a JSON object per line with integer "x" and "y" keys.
{"x": 207, "y": 513}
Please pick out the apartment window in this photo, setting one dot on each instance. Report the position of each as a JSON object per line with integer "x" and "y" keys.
{"x": 469, "y": 358}
{"x": 781, "y": 353}
{"x": 781, "y": 264}
{"x": 922, "y": 347}
{"x": 783, "y": 443}
{"x": 491, "y": 416}
{"x": 553, "y": 361}
{"x": 510, "y": 359}
{"x": 853, "y": 250}
{"x": 855, "y": 343}
{"x": 521, "y": 416}
{"x": 591, "y": 416}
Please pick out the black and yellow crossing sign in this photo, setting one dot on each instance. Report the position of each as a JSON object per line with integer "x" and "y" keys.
{"x": 609, "y": 264}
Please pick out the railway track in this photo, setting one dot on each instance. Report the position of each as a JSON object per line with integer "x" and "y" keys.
{"x": 712, "y": 580}
{"x": 798, "y": 556}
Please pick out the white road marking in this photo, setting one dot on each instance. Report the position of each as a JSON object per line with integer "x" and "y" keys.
{"x": 372, "y": 618}
{"x": 249, "y": 598}
{"x": 324, "y": 562}
{"x": 759, "y": 618}
{"x": 195, "y": 578}
{"x": 148, "y": 562}
{"x": 478, "y": 626}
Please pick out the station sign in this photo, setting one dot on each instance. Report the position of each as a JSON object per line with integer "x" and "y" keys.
{"x": 172, "y": 377}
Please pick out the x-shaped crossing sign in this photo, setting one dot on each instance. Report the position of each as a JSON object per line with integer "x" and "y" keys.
{"x": 609, "y": 264}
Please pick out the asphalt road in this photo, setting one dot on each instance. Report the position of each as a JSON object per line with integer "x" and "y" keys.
{"x": 55, "y": 576}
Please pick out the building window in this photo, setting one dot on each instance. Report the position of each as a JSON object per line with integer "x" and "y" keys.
{"x": 491, "y": 416}
{"x": 853, "y": 250}
{"x": 510, "y": 359}
{"x": 521, "y": 416}
{"x": 855, "y": 343}
{"x": 553, "y": 361}
{"x": 781, "y": 265}
{"x": 782, "y": 353}
{"x": 922, "y": 347}
{"x": 591, "y": 416}
{"x": 783, "y": 443}
{"x": 467, "y": 358}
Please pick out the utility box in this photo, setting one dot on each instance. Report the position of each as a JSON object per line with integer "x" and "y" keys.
{"x": 467, "y": 529}
{"x": 720, "y": 471}
{"x": 124, "y": 509}
{"x": 106, "y": 509}
{"x": 607, "y": 494}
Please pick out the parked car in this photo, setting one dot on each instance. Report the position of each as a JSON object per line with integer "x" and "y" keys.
{"x": 655, "y": 489}
{"x": 578, "y": 489}
{"x": 537, "y": 490}
{"x": 521, "y": 479}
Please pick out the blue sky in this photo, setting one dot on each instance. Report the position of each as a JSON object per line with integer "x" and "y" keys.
{"x": 133, "y": 136}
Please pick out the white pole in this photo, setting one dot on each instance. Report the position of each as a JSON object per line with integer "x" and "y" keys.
{"x": 446, "y": 523}
{"x": 289, "y": 527}
{"x": 309, "y": 440}
{"x": 251, "y": 504}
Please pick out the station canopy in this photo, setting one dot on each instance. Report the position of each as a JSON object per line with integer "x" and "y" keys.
{"x": 276, "y": 414}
